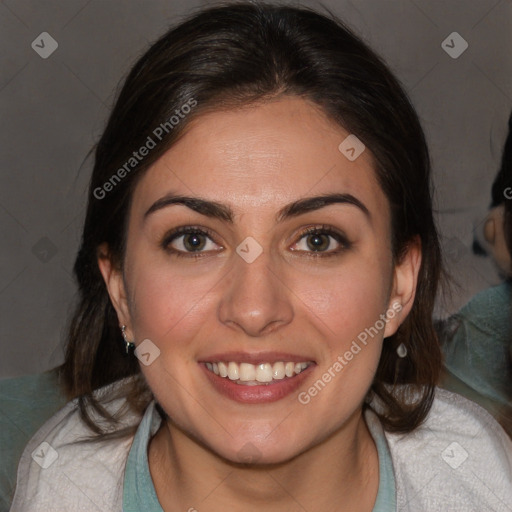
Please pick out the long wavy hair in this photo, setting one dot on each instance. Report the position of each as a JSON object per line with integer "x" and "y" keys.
{"x": 237, "y": 54}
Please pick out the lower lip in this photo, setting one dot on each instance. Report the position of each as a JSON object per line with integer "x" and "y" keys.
{"x": 258, "y": 394}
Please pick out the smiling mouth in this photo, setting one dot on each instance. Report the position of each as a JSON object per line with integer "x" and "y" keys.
{"x": 257, "y": 374}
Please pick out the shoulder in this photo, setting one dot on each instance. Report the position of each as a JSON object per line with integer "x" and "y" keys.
{"x": 25, "y": 404}
{"x": 459, "y": 459}
{"x": 63, "y": 469}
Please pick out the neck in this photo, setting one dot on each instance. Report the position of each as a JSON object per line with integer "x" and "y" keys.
{"x": 340, "y": 474}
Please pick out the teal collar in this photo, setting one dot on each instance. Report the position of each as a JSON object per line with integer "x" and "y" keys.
{"x": 139, "y": 492}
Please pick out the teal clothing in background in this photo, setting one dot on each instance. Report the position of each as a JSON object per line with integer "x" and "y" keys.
{"x": 139, "y": 492}
{"x": 476, "y": 343}
{"x": 25, "y": 404}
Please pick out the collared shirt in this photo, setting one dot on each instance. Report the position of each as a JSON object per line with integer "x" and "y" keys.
{"x": 459, "y": 459}
{"x": 139, "y": 492}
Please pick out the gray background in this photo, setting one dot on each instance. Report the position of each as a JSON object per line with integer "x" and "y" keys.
{"x": 53, "y": 111}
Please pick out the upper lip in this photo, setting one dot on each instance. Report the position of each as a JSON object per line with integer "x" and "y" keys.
{"x": 255, "y": 357}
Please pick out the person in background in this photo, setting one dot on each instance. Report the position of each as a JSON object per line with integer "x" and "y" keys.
{"x": 477, "y": 340}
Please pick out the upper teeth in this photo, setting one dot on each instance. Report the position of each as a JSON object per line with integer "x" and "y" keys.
{"x": 264, "y": 372}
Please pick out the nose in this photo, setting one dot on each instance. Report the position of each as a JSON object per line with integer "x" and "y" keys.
{"x": 255, "y": 299}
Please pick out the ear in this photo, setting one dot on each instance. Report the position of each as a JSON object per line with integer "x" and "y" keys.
{"x": 113, "y": 277}
{"x": 405, "y": 280}
{"x": 495, "y": 236}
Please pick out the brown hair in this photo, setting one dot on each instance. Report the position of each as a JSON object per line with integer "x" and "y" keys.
{"x": 233, "y": 55}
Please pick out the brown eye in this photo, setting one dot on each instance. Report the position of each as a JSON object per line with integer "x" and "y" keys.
{"x": 318, "y": 242}
{"x": 193, "y": 242}
{"x": 189, "y": 241}
{"x": 322, "y": 241}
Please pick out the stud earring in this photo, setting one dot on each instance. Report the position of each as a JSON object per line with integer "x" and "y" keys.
{"x": 401, "y": 350}
{"x": 128, "y": 344}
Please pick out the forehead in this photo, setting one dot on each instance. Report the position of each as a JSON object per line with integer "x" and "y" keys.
{"x": 261, "y": 157}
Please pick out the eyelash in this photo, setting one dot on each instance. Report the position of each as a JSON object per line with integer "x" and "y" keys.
{"x": 326, "y": 230}
{"x": 185, "y": 230}
{"x": 196, "y": 230}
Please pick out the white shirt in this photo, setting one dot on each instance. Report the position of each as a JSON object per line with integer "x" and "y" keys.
{"x": 458, "y": 460}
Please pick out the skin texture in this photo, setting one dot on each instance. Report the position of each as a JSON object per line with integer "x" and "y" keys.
{"x": 256, "y": 160}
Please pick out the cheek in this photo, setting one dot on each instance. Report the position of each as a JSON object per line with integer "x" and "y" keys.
{"x": 347, "y": 301}
{"x": 345, "y": 310}
{"x": 175, "y": 301}
{"x": 167, "y": 303}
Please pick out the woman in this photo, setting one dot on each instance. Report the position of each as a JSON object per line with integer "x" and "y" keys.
{"x": 257, "y": 273}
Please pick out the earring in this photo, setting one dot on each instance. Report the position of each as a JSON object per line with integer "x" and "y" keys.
{"x": 128, "y": 344}
{"x": 401, "y": 350}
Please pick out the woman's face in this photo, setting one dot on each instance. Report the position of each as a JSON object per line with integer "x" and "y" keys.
{"x": 261, "y": 277}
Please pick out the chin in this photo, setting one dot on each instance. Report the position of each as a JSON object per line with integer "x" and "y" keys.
{"x": 256, "y": 453}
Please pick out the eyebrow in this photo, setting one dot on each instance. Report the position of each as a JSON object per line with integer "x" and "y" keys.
{"x": 224, "y": 212}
